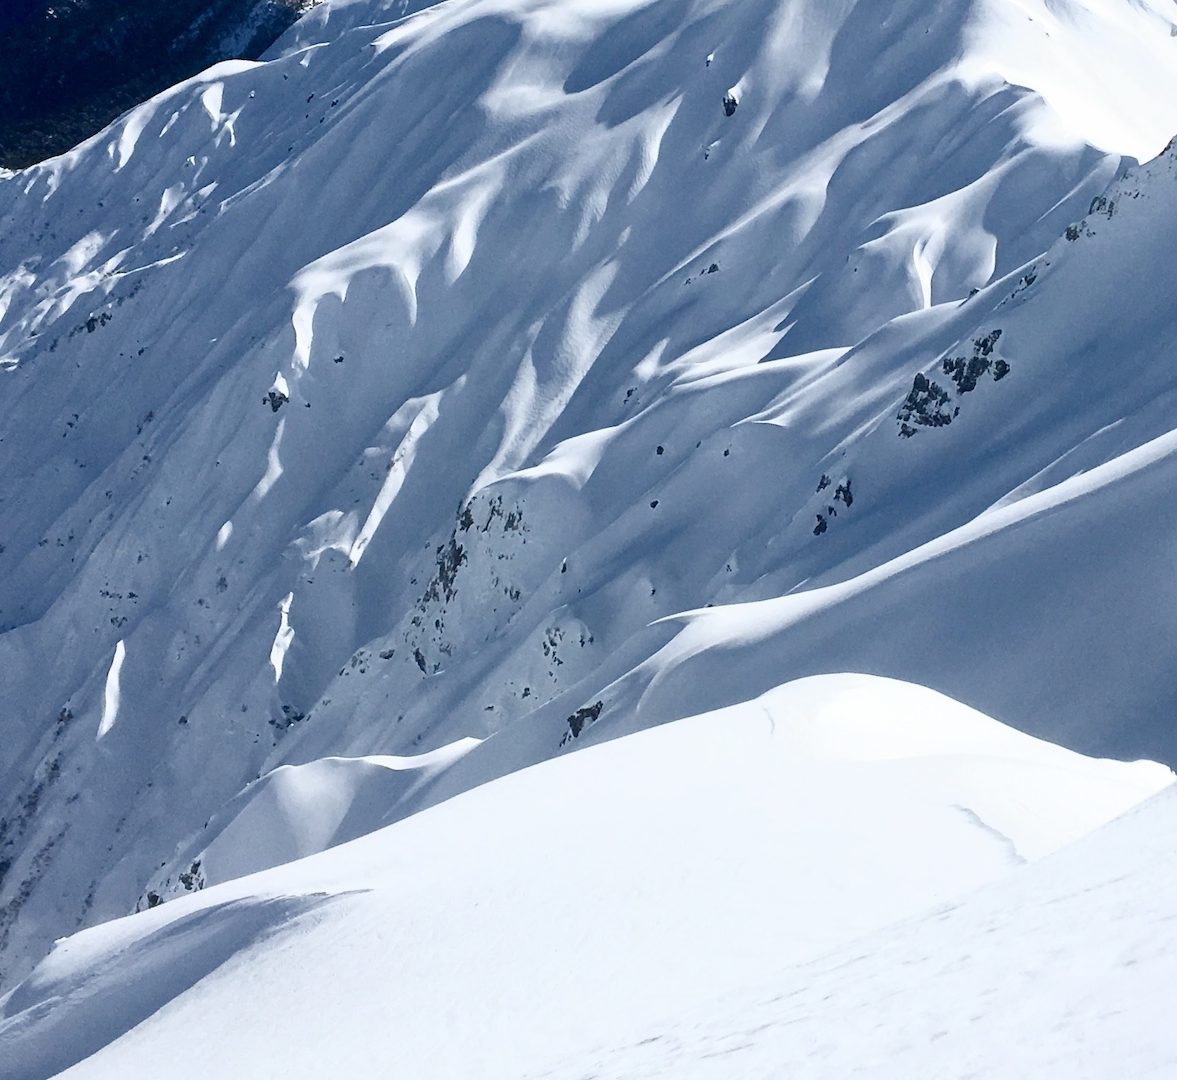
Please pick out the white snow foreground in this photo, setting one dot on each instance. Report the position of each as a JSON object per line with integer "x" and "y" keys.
{"x": 630, "y": 888}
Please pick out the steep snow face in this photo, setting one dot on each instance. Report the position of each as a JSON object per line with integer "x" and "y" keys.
{"x": 382, "y": 395}
{"x": 557, "y": 909}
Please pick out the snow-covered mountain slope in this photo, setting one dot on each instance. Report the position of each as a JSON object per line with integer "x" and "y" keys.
{"x": 1062, "y": 969}
{"x": 389, "y": 394}
{"x": 550, "y": 910}
{"x": 298, "y": 810}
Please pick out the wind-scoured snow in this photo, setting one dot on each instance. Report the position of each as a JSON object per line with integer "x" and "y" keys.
{"x": 465, "y": 384}
{"x": 553, "y": 908}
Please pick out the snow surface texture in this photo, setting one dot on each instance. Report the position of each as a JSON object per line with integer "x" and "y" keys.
{"x": 546, "y": 911}
{"x": 389, "y": 399}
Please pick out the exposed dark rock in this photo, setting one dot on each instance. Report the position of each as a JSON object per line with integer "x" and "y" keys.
{"x": 924, "y": 404}
{"x": 1102, "y": 205}
{"x": 192, "y": 879}
{"x": 580, "y": 719}
{"x": 450, "y": 557}
{"x": 290, "y": 716}
{"x": 965, "y": 371}
{"x": 927, "y": 403}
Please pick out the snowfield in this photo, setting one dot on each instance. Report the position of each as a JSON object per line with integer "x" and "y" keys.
{"x": 447, "y": 469}
{"x": 553, "y": 908}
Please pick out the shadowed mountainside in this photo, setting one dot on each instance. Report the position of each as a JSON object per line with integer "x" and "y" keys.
{"x": 73, "y": 67}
